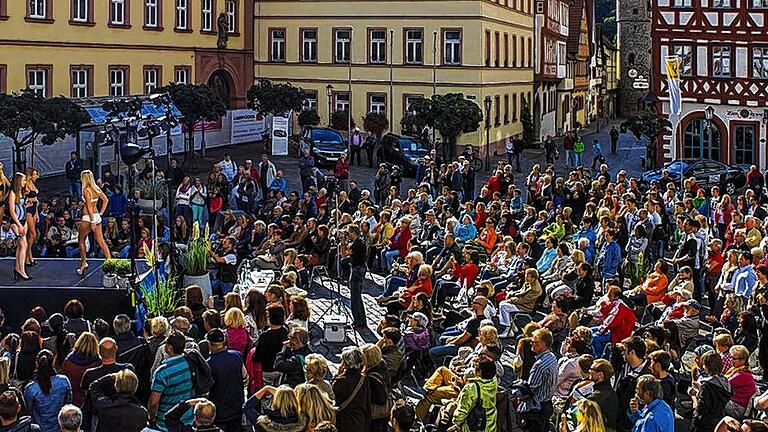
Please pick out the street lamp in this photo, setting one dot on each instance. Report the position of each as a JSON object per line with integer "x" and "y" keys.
{"x": 709, "y": 113}
{"x": 329, "y": 93}
{"x": 487, "y": 132}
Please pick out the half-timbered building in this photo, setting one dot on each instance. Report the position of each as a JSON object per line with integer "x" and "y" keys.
{"x": 723, "y": 48}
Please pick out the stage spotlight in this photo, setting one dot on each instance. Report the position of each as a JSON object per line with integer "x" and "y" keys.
{"x": 130, "y": 153}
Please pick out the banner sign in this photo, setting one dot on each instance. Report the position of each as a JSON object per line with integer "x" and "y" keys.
{"x": 673, "y": 83}
{"x": 246, "y": 126}
{"x": 280, "y": 135}
{"x": 209, "y": 126}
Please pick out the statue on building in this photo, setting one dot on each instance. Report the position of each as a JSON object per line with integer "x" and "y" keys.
{"x": 222, "y": 26}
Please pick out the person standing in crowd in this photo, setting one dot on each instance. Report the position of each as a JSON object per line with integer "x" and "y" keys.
{"x": 356, "y": 142}
{"x": 358, "y": 260}
{"x": 70, "y": 419}
{"x": 266, "y": 175}
{"x": 614, "y": 139}
{"x": 228, "y": 167}
{"x": 542, "y": 381}
{"x": 47, "y": 393}
{"x": 635, "y": 365}
{"x": 17, "y": 210}
{"x": 203, "y": 413}
{"x": 570, "y": 157}
{"x": 114, "y": 404}
{"x": 353, "y": 393}
{"x": 73, "y": 168}
{"x": 229, "y": 379}
{"x": 306, "y": 167}
{"x": 171, "y": 383}
{"x": 226, "y": 268}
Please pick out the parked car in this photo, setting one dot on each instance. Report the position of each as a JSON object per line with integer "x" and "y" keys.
{"x": 403, "y": 151}
{"x": 707, "y": 172}
{"x": 325, "y": 144}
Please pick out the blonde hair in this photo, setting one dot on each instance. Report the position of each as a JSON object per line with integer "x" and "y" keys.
{"x": 5, "y": 369}
{"x": 87, "y": 344}
{"x": 89, "y": 183}
{"x": 284, "y": 401}
{"x": 159, "y": 326}
{"x": 316, "y": 365}
{"x": 126, "y": 382}
{"x": 724, "y": 340}
{"x": 234, "y": 318}
{"x": 592, "y": 416}
{"x": 371, "y": 355}
{"x": 315, "y": 404}
{"x": 488, "y": 335}
{"x": 530, "y": 328}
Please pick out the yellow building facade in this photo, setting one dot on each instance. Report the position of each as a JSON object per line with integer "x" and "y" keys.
{"x": 91, "y": 48}
{"x": 399, "y": 51}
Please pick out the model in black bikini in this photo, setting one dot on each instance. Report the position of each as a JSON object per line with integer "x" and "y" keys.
{"x": 32, "y": 204}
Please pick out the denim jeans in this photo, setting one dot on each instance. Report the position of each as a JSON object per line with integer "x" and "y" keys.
{"x": 570, "y": 158}
{"x": 599, "y": 341}
{"x": 392, "y": 284}
{"x": 75, "y": 189}
{"x": 388, "y": 257}
{"x": 442, "y": 350}
{"x": 72, "y": 251}
{"x": 198, "y": 214}
{"x": 577, "y": 158}
{"x": 221, "y": 288}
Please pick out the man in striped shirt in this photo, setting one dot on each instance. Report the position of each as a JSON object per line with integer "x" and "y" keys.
{"x": 542, "y": 380}
{"x": 171, "y": 383}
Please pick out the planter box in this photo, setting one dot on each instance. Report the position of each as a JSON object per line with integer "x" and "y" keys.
{"x": 109, "y": 280}
{"x": 204, "y": 281}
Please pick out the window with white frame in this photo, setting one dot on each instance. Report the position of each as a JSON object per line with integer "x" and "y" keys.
{"x": 377, "y": 103}
{"x": 182, "y": 75}
{"x": 117, "y": 12}
{"x": 414, "y": 47}
{"x": 117, "y": 82}
{"x": 685, "y": 53}
{"x": 342, "y": 41}
{"x": 151, "y": 77}
{"x": 760, "y": 62}
{"x": 342, "y": 102}
{"x": 231, "y": 16}
{"x": 721, "y": 3}
{"x": 452, "y": 47}
{"x": 310, "y": 101}
{"x": 682, "y": 3}
{"x": 309, "y": 45}
{"x": 37, "y": 81}
{"x": 721, "y": 61}
{"x": 38, "y": 9}
{"x": 80, "y": 83}
{"x": 181, "y": 14}
{"x": 80, "y": 10}
{"x": 151, "y": 13}
{"x": 409, "y": 101}
{"x": 277, "y": 50}
{"x": 378, "y": 48}
{"x": 207, "y": 15}
{"x": 760, "y": 4}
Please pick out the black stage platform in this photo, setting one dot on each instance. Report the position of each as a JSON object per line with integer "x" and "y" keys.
{"x": 54, "y": 283}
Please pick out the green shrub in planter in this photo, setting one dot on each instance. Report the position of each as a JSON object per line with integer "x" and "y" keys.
{"x": 118, "y": 266}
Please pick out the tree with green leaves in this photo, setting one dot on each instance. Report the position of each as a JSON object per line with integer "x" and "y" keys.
{"x": 27, "y": 117}
{"x": 197, "y": 103}
{"x": 451, "y": 115}
{"x": 376, "y": 123}
{"x": 529, "y": 134}
{"x": 340, "y": 120}
{"x": 649, "y": 125}
{"x": 309, "y": 117}
{"x": 412, "y": 124}
{"x": 267, "y": 98}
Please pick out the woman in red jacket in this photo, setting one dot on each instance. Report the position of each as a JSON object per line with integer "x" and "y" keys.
{"x": 617, "y": 321}
{"x": 398, "y": 244}
{"x": 422, "y": 285}
{"x": 464, "y": 275}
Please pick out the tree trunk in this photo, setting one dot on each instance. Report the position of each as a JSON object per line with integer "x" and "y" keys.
{"x": 19, "y": 159}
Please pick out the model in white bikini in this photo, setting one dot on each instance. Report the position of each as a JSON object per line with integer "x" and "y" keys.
{"x": 91, "y": 221}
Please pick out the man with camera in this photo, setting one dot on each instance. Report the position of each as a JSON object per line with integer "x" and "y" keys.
{"x": 357, "y": 258}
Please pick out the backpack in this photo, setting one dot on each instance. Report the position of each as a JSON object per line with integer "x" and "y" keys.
{"x": 476, "y": 419}
{"x": 202, "y": 378}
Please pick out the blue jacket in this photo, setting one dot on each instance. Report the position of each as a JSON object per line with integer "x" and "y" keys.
{"x": 655, "y": 417}
{"x": 590, "y": 235}
{"x": 611, "y": 255}
{"x": 44, "y": 408}
{"x": 546, "y": 260}
{"x": 465, "y": 233}
{"x": 743, "y": 280}
{"x": 280, "y": 184}
{"x": 118, "y": 204}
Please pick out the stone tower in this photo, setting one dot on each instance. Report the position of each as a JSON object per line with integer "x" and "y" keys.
{"x": 633, "y": 21}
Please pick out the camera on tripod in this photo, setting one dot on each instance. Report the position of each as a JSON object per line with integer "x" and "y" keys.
{"x": 331, "y": 185}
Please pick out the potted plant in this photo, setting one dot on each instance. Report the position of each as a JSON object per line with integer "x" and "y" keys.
{"x": 152, "y": 191}
{"x": 116, "y": 271}
{"x": 196, "y": 259}
{"x": 163, "y": 299}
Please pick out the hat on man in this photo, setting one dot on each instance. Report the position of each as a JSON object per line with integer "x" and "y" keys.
{"x": 693, "y": 303}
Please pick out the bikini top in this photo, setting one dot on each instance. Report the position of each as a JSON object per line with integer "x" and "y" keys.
{"x": 32, "y": 194}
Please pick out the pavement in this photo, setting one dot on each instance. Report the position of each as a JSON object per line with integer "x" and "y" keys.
{"x": 628, "y": 157}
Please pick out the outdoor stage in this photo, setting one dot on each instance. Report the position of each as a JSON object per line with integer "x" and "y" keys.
{"x": 54, "y": 283}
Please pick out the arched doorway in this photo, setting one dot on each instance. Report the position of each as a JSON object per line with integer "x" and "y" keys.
{"x": 701, "y": 140}
{"x": 221, "y": 82}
